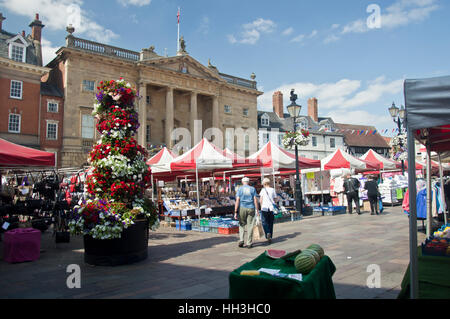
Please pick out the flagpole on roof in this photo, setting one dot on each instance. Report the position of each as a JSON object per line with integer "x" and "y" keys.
{"x": 178, "y": 37}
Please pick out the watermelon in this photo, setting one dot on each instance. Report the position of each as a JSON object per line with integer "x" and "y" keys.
{"x": 314, "y": 253}
{"x": 304, "y": 263}
{"x": 318, "y": 249}
{"x": 275, "y": 254}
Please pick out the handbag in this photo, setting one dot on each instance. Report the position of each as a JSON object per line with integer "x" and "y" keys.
{"x": 276, "y": 209}
{"x": 258, "y": 231}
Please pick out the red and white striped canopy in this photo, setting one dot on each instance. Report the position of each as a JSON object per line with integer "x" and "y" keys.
{"x": 341, "y": 159}
{"x": 275, "y": 157}
{"x": 203, "y": 156}
{"x": 158, "y": 163}
{"x": 383, "y": 162}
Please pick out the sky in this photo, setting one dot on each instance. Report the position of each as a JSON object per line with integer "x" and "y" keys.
{"x": 352, "y": 55}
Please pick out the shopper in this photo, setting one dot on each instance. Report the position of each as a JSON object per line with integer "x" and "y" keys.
{"x": 268, "y": 198}
{"x": 351, "y": 190}
{"x": 372, "y": 193}
{"x": 247, "y": 204}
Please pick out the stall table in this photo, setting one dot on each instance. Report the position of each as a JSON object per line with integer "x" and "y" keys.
{"x": 317, "y": 284}
{"x": 434, "y": 278}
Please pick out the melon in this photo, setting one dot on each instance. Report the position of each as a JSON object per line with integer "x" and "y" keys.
{"x": 318, "y": 249}
{"x": 304, "y": 263}
{"x": 275, "y": 254}
{"x": 312, "y": 252}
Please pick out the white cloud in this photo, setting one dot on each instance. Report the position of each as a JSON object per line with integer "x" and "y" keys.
{"x": 313, "y": 34}
{"x": 335, "y": 26}
{"x": 298, "y": 38}
{"x": 204, "y": 26}
{"x": 339, "y": 97}
{"x": 252, "y": 31}
{"x": 400, "y": 13}
{"x": 139, "y": 3}
{"x": 288, "y": 31}
{"x": 331, "y": 38}
{"x": 48, "y": 51}
{"x": 57, "y": 14}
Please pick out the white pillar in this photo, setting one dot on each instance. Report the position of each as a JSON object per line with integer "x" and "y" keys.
{"x": 215, "y": 112}
{"x": 193, "y": 116}
{"x": 141, "y": 133}
{"x": 169, "y": 116}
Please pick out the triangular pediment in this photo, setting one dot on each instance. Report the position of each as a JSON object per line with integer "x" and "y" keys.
{"x": 184, "y": 64}
{"x": 18, "y": 39}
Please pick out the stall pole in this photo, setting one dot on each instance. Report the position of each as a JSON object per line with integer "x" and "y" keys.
{"x": 273, "y": 176}
{"x": 153, "y": 189}
{"x": 444, "y": 205}
{"x": 413, "y": 261}
{"x": 321, "y": 185}
{"x": 429, "y": 192}
{"x": 196, "y": 181}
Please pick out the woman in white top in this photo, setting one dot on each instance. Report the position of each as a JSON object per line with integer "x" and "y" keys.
{"x": 268, "y": 198}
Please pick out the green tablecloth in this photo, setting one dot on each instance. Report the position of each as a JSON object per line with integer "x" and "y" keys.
{"x": 316, "y": 285}
{"x": 434, "y": 278}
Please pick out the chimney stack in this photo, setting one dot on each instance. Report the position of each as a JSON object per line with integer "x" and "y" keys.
{"x": 313, "y": 109}
{"x": 1, "y": 21}
{"x": 36, "y": 34}
{"x": 277, "y": 101}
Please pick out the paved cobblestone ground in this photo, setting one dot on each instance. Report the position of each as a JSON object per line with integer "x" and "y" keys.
{"x": 196, "y": 265}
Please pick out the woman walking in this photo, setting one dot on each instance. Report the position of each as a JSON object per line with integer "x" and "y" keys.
{"x": 268, "y": 197}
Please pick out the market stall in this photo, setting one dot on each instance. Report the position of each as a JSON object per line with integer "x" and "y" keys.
{"x": 13, "y": 155}
{"x": 283, "y": 278}
{"x": 427, "y": 103}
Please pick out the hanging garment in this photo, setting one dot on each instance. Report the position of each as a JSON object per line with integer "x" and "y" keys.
{"x": 422, "y": 204}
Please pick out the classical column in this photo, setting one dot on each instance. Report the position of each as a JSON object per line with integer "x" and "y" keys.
{"x": 141, "y": 136}
{"x": 169, "y": 116}
{"x": 215, "y": 112}
{"x": 193, "y": 116}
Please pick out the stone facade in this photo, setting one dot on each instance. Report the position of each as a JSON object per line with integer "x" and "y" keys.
{"x": 175, "y": 92}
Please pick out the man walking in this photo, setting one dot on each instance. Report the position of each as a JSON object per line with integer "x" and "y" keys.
{"x": 247, "y": 205}
{"x": 351, "y": 189}
{"x": 372, "y": 193}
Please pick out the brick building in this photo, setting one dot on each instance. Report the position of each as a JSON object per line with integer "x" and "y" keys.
{"x": 32, "y": 110}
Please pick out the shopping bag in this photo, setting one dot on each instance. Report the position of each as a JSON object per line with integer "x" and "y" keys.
{"x": 258, "y": 231}
{"x": 380, "y": 203}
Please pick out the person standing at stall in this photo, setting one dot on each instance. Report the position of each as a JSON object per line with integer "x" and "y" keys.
{"x": 247, "y": 206}
{"x": 351, "y": 189}
{"x": 268, "y": 198}
{"x": 372, "y": 193}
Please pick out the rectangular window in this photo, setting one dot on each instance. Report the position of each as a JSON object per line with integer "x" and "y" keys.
{"x": 87, "y": 126}
{"x": 227, "y": 109}
{"x": 52, "y": 107}
{"x": 147, "y": 133}
{"x": 265, "y": 138}
{"x": 16, "y": 89}
{"x": 17, "y": 53}
{"x": 148, "y": 99}
{"x": 52, "y": 130}
{"x": 88, "y": 85}
{"x": 316, "y": 157}
{"x": 229, "y": 139}
{"x": 14, "y": 123}
{"x": 247, "y": 143}
{"x": 280, "y": 139}
{"x": 332, "y": 142}
{"x": 245, "y": 112}
{"x": 314, "y": 141}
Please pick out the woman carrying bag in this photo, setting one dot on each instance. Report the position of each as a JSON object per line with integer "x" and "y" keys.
{"x": 268, "y": 197}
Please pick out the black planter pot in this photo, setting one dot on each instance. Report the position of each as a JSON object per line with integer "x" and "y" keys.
{"x": 130, "y": 248}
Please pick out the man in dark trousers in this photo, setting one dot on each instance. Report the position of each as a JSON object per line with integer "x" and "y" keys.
{"x": 372, "y": 193}
{"x": 351, "y": 189}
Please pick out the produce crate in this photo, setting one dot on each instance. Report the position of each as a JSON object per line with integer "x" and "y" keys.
{"x": 183, "y": 225}
{"x": 195, "y": 225}
{"x": 204, "y": 228}
{"x": 228, "y": 230}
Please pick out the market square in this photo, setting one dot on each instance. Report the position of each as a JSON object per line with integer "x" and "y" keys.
{"x": 131, "y": 168}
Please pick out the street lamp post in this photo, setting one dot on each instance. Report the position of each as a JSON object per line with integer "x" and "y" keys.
{"x": 398, "y": 116}
{"x": 294, "y": 111}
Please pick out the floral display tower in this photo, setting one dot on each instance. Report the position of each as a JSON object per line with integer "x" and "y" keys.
{"x": 115, "y": 217}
